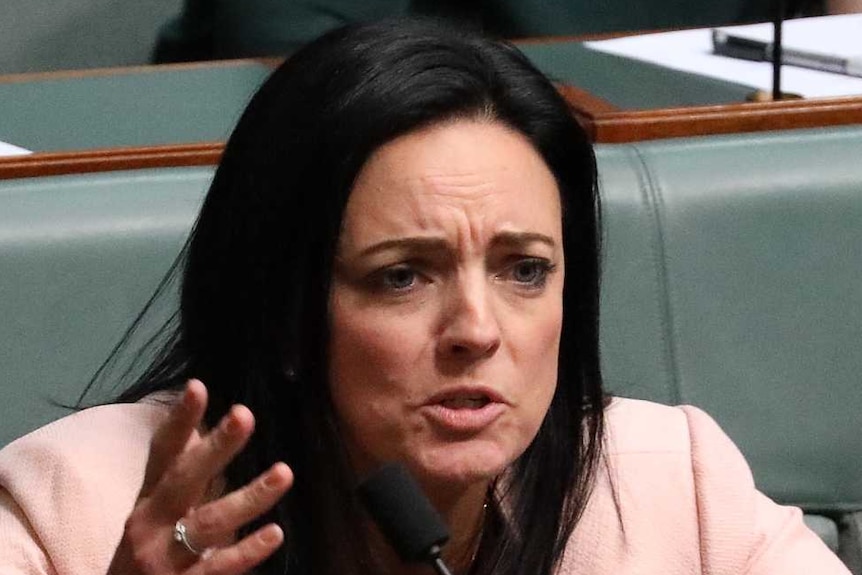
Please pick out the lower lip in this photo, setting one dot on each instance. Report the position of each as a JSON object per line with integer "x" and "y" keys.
{"x": 464, "y": 420}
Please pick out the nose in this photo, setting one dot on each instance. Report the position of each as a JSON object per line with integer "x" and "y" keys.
{"x": 470, "y": 327}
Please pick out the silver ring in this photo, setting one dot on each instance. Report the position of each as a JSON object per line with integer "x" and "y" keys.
{"x": 181, "y": 536}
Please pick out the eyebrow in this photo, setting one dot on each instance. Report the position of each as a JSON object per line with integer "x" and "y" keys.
{"x": 522, "y": 239}
{"x": 414, "y": 243}
{"x": 424, "y": 244}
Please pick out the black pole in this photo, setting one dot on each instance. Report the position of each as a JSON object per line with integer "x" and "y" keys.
{"x": 777, "y": 22}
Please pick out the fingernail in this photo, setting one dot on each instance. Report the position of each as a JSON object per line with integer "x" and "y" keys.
{"x": 270, "y": 535}
{"x": 229, "y": 425}
{"x": 187, "y": 399}
{"x": 272, "y": 480}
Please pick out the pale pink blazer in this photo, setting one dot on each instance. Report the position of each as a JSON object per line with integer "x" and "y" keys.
{"x": 685, "y": 500}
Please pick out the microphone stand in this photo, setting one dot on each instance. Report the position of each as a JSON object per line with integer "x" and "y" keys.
{"x": 437, "y": 562}
{"x": 777, "y": 25}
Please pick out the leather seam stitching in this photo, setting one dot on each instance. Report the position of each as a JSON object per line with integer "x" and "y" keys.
{"x": 653, "y": 199}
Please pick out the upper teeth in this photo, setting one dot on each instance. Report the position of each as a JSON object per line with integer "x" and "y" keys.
{"x": 465, "y": 402}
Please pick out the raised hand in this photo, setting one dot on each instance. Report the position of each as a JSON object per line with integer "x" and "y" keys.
{"x": 182, "y": 468}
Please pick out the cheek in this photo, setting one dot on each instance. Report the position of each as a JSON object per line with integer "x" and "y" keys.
{"x": 372, "y": 359}
{"x": 368, "y": 352}
{"x": 540, "y": 348}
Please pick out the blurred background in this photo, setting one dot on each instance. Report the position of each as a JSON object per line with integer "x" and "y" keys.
{"x": 41, "y": 35}
{"x": 45, "y": 35}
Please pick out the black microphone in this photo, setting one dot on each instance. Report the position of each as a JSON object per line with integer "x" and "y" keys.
{"x": 405, "y": 516}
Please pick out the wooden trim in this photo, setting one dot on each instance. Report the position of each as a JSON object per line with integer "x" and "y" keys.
{"x": 609, "y": 125}
{"x": 584, "y": 102}
{"x": 112, "y": 159}
{"x": 137, "y": 69}
{"x": 598, "y": 36}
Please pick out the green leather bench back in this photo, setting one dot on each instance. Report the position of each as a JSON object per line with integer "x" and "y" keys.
{"x": 130, "y": 108}
{"x": 79, "y": 257}
{"x": 733, "y": 281}
{"x": 626, "y": 83}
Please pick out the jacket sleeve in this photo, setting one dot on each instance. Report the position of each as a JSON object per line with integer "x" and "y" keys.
{"x": 741, "y": 530}
{"x": 22, "y": 552}
{"x": 67, "y": 488}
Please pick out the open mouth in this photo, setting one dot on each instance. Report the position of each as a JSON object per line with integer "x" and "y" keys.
{"x": 476, "y": 402}
{"x": 465, "y": 411}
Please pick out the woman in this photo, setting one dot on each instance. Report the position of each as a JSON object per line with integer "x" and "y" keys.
{"x": 397, "y": 261}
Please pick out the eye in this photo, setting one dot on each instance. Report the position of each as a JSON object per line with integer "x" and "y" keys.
{"x": 531, "y": 272}
{"x": 397, "y": 278}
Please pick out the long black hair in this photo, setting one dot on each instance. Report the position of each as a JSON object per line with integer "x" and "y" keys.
{"x": 256, "y": 273}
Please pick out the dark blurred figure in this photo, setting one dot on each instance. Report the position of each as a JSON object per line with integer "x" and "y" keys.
{"x": 219, "y": 29}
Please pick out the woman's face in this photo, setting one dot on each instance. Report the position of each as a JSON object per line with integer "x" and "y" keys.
{"x": 446, "y": 305}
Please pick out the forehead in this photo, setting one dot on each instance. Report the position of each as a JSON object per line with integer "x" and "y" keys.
{"x": 479, "y": 170}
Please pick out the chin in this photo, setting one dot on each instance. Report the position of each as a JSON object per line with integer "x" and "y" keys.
{"x": 460, "y": 465}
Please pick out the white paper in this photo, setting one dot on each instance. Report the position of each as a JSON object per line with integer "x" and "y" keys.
{"x": 691, "y": 51}
{"x": 10, "y": 150}
{"x": 832, "y": 35}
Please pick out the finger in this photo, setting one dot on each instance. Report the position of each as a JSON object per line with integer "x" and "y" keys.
{"x": 173, "y": 435}
{"x": 243, "y": 556}
{"x": 185, "y": 482}
{"x": 215, "y": 523}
